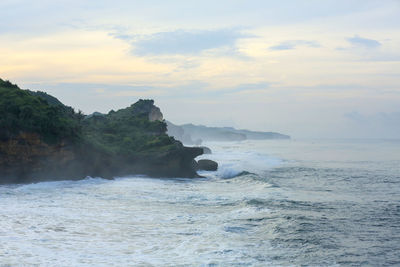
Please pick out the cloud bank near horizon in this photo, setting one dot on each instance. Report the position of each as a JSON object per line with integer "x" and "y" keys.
{"x": 285, "y": 65}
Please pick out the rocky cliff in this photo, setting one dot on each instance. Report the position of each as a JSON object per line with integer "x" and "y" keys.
{"x": 41, "y": 139}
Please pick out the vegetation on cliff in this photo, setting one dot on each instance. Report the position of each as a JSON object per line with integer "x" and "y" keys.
{"x": 125, "y": 131}
{"x": 41, "y": 137}
{"x": 129, "y": 132}
{"x": 22, "y": 112}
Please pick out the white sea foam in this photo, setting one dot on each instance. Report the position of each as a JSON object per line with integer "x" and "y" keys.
{"x": 242, "y": 221}
{"x": 233, "y": 161}
{"x": 128, "y": 221}
{"x": 135, "y": 220}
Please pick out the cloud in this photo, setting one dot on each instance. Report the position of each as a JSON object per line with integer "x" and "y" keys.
{"x": 182, "y": 42}
{"x": 367, "y": 50}
{"x": 363, "y": 42}
{"x": 248, "y": 87}
{"x": 289, "y": 45}
{"x": 122, "y": 36}
{"x": 203, "y": 90}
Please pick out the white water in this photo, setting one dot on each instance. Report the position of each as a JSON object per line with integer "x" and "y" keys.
{"x": 301, "y": 203}
{"x": 131, "y": 221}
{"x": 233, "y": 159}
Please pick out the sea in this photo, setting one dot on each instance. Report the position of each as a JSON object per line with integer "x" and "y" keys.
{"x": 271, "y": 203}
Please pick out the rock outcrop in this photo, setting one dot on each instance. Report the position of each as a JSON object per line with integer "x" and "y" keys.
{"x": 207, "y": 165}
{"x": 26, "y": 156}
{"x": 28, "y": 159}
{"x": 42, "y": 140}
{"x": 155, "y": 114}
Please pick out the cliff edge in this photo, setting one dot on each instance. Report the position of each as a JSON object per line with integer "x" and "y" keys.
{"x": 41, "y": 139}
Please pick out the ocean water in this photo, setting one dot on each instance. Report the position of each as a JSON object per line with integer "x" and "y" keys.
{"x": 271, "y": 203}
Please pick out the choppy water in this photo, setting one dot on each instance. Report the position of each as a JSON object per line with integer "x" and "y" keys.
{"x": 298, "y": 203}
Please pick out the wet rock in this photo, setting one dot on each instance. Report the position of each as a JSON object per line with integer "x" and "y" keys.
{"x": 207, "y": 165}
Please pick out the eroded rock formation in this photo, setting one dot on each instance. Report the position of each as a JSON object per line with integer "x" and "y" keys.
{"x": 41, "y": 140}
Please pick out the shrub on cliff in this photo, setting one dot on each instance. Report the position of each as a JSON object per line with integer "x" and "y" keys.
{"x": 128, "y": 141}
{"x": 22, "y": 112}
{"x": 128, "y": 132}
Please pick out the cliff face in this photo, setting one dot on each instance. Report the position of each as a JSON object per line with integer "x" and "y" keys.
{"x": 42, "y": 141}
{"x": 155, "y": 114}
{"x": 26, "y": 156}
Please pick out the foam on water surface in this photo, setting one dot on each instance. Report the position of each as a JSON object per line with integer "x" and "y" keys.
{"x": 292, "y": 207}
{"x": 233, "y": 162}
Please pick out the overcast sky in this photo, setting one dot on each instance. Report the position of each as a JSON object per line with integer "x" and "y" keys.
{"x": 305, "y": 68}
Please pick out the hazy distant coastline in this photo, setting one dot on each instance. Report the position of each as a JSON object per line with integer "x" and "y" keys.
{"x": 191, "y": 134}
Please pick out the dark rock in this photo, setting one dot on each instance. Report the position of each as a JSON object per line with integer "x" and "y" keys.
{"x": 28, "y": 159}
{"x": 176, "y": 163}
{"x": 207, "y": 165}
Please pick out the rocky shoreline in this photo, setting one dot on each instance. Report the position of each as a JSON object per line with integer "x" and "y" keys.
{"x": 69, "y": 146}
{"x": 28, "y": 159}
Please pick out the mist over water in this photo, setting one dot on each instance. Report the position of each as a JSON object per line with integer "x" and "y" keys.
{"x": 278, "y": 202}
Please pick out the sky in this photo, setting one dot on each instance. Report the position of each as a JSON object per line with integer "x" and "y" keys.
{"x": 307, "y": 68}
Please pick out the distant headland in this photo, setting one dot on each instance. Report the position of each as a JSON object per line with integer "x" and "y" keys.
{"x": 191, "y": 134}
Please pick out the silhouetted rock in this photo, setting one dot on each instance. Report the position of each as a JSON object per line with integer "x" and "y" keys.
{"x": 207, "y": 165}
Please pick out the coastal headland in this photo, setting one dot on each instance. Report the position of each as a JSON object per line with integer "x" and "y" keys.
{"x": 42, "y": 139}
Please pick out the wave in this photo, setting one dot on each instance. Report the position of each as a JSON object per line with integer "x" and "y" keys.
{"x": 231, "y": 172}
{"x": 235, "y": 163}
